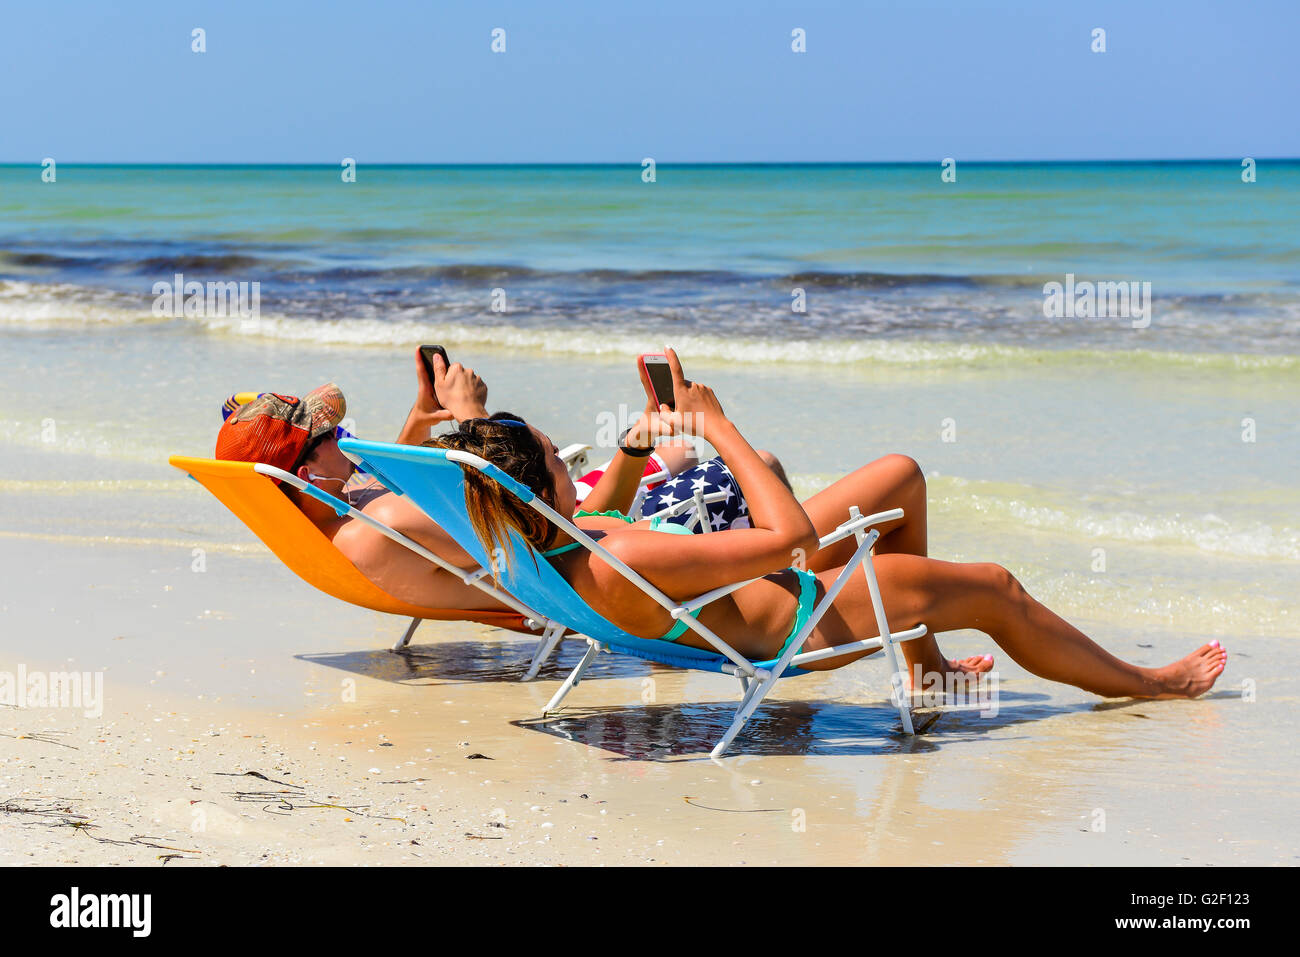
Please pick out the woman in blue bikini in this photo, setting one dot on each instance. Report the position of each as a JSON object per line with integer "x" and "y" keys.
{"x": 759, "y": 619}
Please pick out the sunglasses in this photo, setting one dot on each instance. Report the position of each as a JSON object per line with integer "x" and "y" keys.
{"x": 342, "y": 433}
{"x": 339, "y": 433}
{"x": 476, "y": 423}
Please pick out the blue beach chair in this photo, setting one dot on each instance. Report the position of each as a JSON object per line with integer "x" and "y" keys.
{"x": 433, "y": 480}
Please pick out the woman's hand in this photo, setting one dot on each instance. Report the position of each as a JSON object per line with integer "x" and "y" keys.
{"x": 649, "y": 427}
{"x": 453, "y": 392}
{"x": 459, "y": 390}
{"x": 698, "y": 410}
{"x": 426, "y": 398}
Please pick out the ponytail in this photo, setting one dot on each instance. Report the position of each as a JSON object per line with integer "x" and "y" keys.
{"x": 493, "y": 510}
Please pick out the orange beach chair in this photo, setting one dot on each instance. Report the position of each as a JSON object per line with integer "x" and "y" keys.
{"x": 247, "y": 490}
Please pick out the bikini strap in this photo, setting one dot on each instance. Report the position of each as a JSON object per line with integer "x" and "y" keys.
{"x": 552, "y": 552}
{"x": 611, "y": 513}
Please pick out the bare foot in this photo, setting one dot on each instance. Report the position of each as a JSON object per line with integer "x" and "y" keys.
{"x": 975, "y": 665}
{"x": 1193, "y": 675}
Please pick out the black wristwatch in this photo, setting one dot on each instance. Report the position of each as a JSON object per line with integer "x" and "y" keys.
{"x": 634, "y": 452}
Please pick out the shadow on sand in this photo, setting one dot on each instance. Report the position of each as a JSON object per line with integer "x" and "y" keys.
{"x": 690, "y": 729}
{"x": 791, "y": 728}
{"x": 475, "y": 661}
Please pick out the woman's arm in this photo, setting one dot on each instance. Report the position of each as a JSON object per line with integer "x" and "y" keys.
{"x": 616, "y": 489}
{"x": 684, "y": 567}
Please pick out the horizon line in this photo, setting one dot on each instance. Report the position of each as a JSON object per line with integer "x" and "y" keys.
{"x": 637, "y": 164}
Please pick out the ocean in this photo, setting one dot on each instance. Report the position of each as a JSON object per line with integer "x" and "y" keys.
{"x": 893, "y": 262}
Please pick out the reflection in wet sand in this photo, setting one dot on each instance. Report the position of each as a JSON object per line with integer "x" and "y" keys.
{"x": 474, "y": 661}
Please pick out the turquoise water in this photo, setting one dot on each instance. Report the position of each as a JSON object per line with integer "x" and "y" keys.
{"x": 1188, "y": 226}
{"x": 888, "y": 253}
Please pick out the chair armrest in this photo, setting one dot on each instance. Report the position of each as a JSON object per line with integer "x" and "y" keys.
{"x": 575, "y": 457}
{"x": 859, "y": 522}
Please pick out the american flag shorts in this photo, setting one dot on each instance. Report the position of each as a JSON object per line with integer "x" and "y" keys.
{"x": 713, "y": 476}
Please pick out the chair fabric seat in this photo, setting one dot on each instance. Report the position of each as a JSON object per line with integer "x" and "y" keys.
{"x": 437, "y": 486}
{"x": 305, "y": 550}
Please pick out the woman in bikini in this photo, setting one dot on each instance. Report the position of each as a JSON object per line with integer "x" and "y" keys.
{"x": 760, "y": 618}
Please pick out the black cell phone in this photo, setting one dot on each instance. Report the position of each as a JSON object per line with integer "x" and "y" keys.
{"x": 426, "y": 356}
{"x": 661, "y": 379}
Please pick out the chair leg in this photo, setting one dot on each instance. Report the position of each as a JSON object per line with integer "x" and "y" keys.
{"x": 701, "y": 512}
{"x": 753, "y": 697}
{"x": 634, "y": 511}
{"x": 406, "y": 638}
{"x": 897, "y": 678}
{"x": 545, "y": 645}
{"x": 593, "y": 649}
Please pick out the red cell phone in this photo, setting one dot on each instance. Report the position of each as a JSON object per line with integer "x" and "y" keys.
{"x": 660, "y": 377}
{"x": 426, "y": 356}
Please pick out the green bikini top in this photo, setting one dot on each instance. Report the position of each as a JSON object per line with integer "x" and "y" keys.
{"x": 656, "y": 525}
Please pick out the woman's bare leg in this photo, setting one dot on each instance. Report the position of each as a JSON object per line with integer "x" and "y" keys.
{"x": 947, "y": 595}
{"x": 894, "y": 481}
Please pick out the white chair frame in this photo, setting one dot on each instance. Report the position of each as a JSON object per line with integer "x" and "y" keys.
{"x": 478, "y": 577}
{"x": 755, "y": 682}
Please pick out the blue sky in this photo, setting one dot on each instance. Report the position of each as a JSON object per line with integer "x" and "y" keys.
{"x": 583, "y": 81}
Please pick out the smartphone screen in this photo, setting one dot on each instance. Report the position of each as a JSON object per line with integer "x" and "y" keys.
{"x": 661, "y": 380}
{"x": 426, "y": 355}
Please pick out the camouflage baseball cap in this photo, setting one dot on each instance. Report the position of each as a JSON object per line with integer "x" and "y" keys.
{"x": 276, "y": 429}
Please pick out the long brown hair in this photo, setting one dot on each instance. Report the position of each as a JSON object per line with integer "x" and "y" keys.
{"x": 493, "y": 510}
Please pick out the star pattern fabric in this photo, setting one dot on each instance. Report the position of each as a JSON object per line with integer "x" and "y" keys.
{"x": 707, "y": 477}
